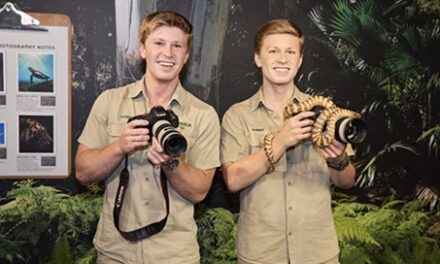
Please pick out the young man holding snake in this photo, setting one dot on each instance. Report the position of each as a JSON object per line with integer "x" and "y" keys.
{"x": 284, "y": 178}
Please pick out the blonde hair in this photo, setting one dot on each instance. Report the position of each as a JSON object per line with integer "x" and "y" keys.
{"x": 277, "y": 26}
{"x": 165, "y": 18}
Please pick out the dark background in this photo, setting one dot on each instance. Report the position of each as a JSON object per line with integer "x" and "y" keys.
{"x": 327, "y": 70}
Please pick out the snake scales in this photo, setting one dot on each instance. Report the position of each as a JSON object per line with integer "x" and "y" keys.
{"x": 323, "y": 131}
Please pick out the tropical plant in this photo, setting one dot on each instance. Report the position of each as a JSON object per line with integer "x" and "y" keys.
{"x": 41, "y": 224}
{"x": 216, "y": 236}
{"x": 38, "y": 220}
{"x": 395, "y": 232}
{"x": 391, "y": 49}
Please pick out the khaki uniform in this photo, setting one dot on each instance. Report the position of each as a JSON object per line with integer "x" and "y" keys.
{"x": 285, "y": 217}
{"x": 144, "y": 202}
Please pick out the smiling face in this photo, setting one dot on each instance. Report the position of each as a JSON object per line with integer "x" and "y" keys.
{"x": 279, "y": 58}
{"x": 165, "y": 51}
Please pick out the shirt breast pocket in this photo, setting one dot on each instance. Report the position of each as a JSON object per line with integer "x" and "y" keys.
{"x": 256, "y": 140}
{"x": 115, "y": 131}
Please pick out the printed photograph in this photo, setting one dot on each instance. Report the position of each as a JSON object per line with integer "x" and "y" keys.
{"x": 3, "y": 154}
{"x": 36, "y": 134}
{"x": 2, "y": 72}
{"x": 2, "y": 133}
{"x": 36, "y": 72}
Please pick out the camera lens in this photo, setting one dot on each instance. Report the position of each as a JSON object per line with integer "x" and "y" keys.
{"x": 349, "y": 130}
{"x": 173, "y": 143}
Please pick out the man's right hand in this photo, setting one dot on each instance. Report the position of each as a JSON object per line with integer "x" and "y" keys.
{"x": 296, "y": 128}
{"x": 134, "y": 136}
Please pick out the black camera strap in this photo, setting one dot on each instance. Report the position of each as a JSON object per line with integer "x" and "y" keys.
{"x": 147, "y": 230}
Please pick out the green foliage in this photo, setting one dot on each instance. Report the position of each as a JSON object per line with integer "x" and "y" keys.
{"x": 33, "y": 219}
{"x": 432, "y": 137}
{"x": 430, "y": 7}
{"x": 61, "y": 252}
{"x": 104, "y": 74}
{"x": 391, "y": 49}
{"x": 395, "y": 232}
{"x": 369, "y": 170}
{"x": 88, "y": 258}
{"x": 40, "y": 224}
{"x": 216, "y": 236}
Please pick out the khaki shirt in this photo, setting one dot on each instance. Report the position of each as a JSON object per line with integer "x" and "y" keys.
{"x": 285, "y": 215}
{"x": 144, "y": 202}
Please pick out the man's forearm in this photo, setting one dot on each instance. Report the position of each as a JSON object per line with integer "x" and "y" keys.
{"x": 191, "y": 183}
{"x": 343, "y": 179}
{"x": 94, "y": 165}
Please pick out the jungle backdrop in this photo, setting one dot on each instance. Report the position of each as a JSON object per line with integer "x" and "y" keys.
{"x": 378, "y": 57}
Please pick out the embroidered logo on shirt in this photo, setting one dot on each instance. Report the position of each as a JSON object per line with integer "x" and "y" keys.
{"x": 182, "y": 125}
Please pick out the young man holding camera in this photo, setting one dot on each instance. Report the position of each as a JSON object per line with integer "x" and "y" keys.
{"x": 285, "y": 199}
{"x": 137, "y": 170}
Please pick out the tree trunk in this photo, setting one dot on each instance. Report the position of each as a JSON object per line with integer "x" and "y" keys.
{"x": 129, "y": 14}
{"x": 210, "y": 21}
{"x": 202, "y": 73}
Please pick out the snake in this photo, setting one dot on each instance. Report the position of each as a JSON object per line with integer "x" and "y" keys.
{"x": 323, "y": 131}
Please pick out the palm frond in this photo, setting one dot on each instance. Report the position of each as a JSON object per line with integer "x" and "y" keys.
{"x": 368, "y": 174}
{"x": 316, "y": 17}
{"x": 344, "y": 23}
{"x": 432, "y": 137}
{"x": 428, "y": 193}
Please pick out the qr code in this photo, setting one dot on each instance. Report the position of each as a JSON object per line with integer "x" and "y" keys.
{"x": 48, "y": 161}
{"x": 47, "y": 100}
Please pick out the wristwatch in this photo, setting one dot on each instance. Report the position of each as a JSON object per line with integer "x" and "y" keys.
{"x": 341, "y": 165}
{"x": 170, "y": 164}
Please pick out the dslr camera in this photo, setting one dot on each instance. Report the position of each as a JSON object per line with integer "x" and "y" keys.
{"x": 162, "y": 124}
{"x": 348, "y": 127}
{"x": 329, "y": 121}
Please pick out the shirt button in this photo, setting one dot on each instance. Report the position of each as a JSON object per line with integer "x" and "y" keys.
{"x": 146, "y": 203}
{"x": 290, "y": 208}
{"x": 290, "y": 233}
{"x": 289, "y": 183}
{"x": 147, "y": 179}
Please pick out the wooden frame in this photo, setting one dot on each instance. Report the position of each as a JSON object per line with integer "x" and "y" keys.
{"x": 36, "y": 112}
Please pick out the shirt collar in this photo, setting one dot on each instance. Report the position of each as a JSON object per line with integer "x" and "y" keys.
{"x": 257, "y": 101}
{"x": 179, "y": 97}
{"x": 136, "y": 90}
{"x": 177, "y": 100}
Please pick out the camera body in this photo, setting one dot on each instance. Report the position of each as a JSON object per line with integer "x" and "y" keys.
{"x": 162, "y": 124}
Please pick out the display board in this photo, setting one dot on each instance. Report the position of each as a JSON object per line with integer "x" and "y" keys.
{"x": 35, "y": 94}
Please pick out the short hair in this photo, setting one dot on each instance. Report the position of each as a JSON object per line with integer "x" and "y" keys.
{"x": 278, "y": 26}
{"x": 165, "y": 18}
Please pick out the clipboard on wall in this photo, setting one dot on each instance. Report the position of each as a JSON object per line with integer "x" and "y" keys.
{"x": 35, "y": 94}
